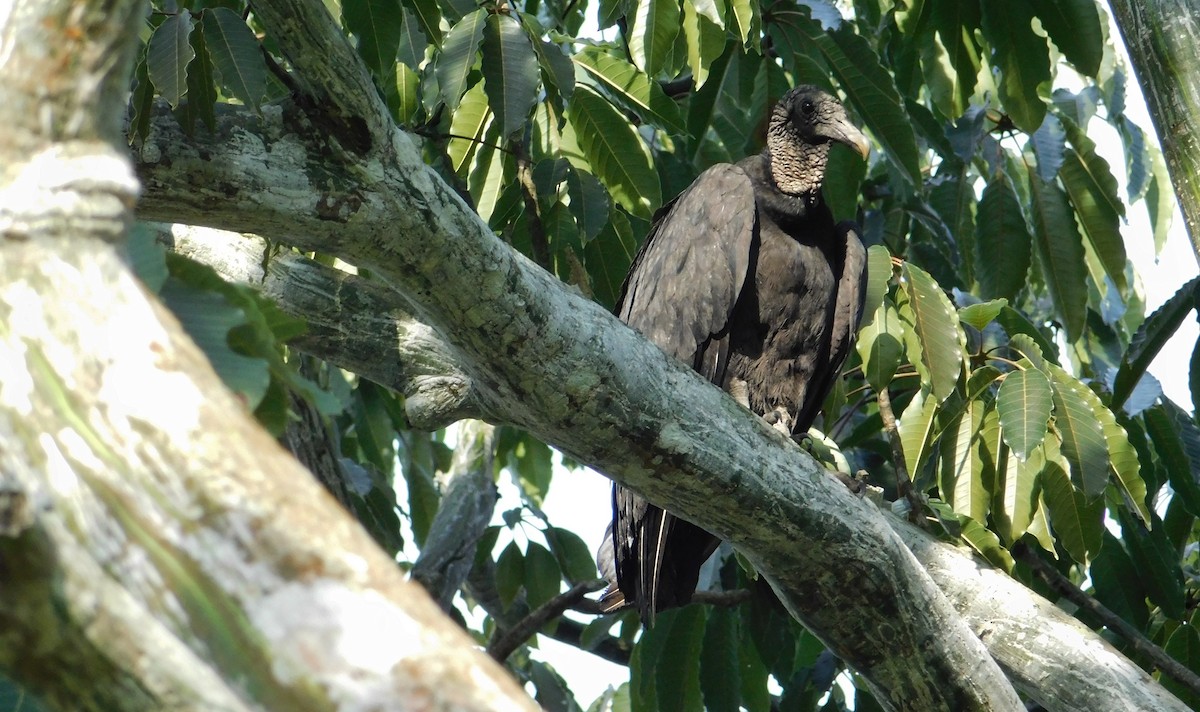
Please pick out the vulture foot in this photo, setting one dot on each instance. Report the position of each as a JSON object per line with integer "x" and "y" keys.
{"x": 781, "y": 420}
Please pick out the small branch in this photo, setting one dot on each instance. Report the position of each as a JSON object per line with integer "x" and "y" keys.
{"x": 723, "y": 599}
{"x": 904, "y": 486}
{"x": 533, "y": 211}
{"x": 509, "y": 640}
{"x": 1140, "y": 643}
{"x": 468, "y": 500}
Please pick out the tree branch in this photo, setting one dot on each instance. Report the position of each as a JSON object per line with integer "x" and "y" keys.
{"x": 506, "y": 641}
{"x": 354, "y": 323}
{"x": 468, "y": 500}
{"x": 1140, "y": 643}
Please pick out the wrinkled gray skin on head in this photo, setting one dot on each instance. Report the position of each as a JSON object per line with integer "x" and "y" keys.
{"x": 803, "y": 125}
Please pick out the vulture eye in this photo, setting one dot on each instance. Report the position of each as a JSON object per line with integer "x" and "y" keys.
{"x": 808, "y": 107}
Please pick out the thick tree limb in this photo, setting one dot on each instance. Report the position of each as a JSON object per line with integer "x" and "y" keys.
{"x": 1162, "y": 37}
{"x": 150, "y": 544}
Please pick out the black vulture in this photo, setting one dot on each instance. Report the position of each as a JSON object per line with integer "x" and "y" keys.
{"x": 746, "y": 277}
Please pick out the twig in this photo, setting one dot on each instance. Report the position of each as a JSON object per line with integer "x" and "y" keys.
{"x": 509, "y": 640}
{"x": 1140, "y": 643}
{"x": 904, "y": 486}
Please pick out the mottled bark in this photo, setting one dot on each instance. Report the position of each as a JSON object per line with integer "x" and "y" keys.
{"x": 1162, "y": 37}
{"x": 159, "y": 550}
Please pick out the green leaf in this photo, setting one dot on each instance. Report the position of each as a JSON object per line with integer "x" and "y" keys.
{"x": 543, "y": 579}
{"x": 1060, "y": 253}
{"x": 236, "y": 54}
{"x": 1117, "y": 583}
{"x": 879, "y": 276}
{"x": 719, "y": 674}
{"x": 552, "y": 691}
{"x": 1022, "y": 57}
{"x": 429, "y": 16}
{"x": 844, "y": 174}
{"x": 1153, "y": 334}
{"x": 1138, "y": 164}
{"x": 1003, "y": 249}
{"x": 743, "y": 13}
{"x": 1016, "y": 487}
{"x": 1093, "y": 192}
{"x": 453, "y": 65}
{"x": 1074, "y": 27}
{"x": 1182, "y": 471}
{"x": 1049, "y": 145}
{"x": 558, "y": 72}
{"x": 933, "y": 322}
{"x": 485, "y": 180}
{"x": 966, "y": 475}
{"x": 589, "y": 202}
{"x": 201, "y": 83}
{"x": 572, "y": 555}
{"x": 652, "y": 32}
{"x": 468, "y": 125}
{"x": 411, "y": 51}
{"x": 632, "y": 88}
{"x": 880, "y": 344}
{"x": 1160, "y": 200}
{"x": 1077, "y": 423}
{"x": 1078, "y": 526}
{"x": 607, "y": 146}
{"x": 954, "y": 200}
{"x": 916, "y": 428}
{"x": 168, "y": 56}
{"x": 510, "y": 72}
{"x": 1121, "y": 455}
{"x": 208, "y": 317}
{"x": 378, "y": 25}
{"x": 407, "y": 94}
{"x": 1014, "y": 322}
{"x": 608, "y": 257}
{"x": 510, "y": 573}
{"x": 1157, "y": 562}
{"x": 981, "y": 314}
{"x": 871, "y": 90}
{"x": 677, "y": 672}
{"x": 704, "y": 32}
{"x": 1184, "y": 646}
{"x": 1024, "y": 403}
{"x": 984, "y": 541}
{"x": 956, "y": 23}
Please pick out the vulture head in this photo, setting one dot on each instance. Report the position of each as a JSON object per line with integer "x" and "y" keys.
{"x": 803, "y": 125}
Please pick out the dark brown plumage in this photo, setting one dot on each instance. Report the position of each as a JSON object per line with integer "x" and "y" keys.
{"x": 747, "y": 278}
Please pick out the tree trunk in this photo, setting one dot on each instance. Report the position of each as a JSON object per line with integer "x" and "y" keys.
{"x": 1162, "y": 37}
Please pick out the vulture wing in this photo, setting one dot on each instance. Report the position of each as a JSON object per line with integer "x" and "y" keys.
{"x": 847, "y": 313}
{"x": 680, "y": 293}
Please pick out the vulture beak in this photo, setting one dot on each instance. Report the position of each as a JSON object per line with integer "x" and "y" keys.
{"x": 842, "y": 131}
